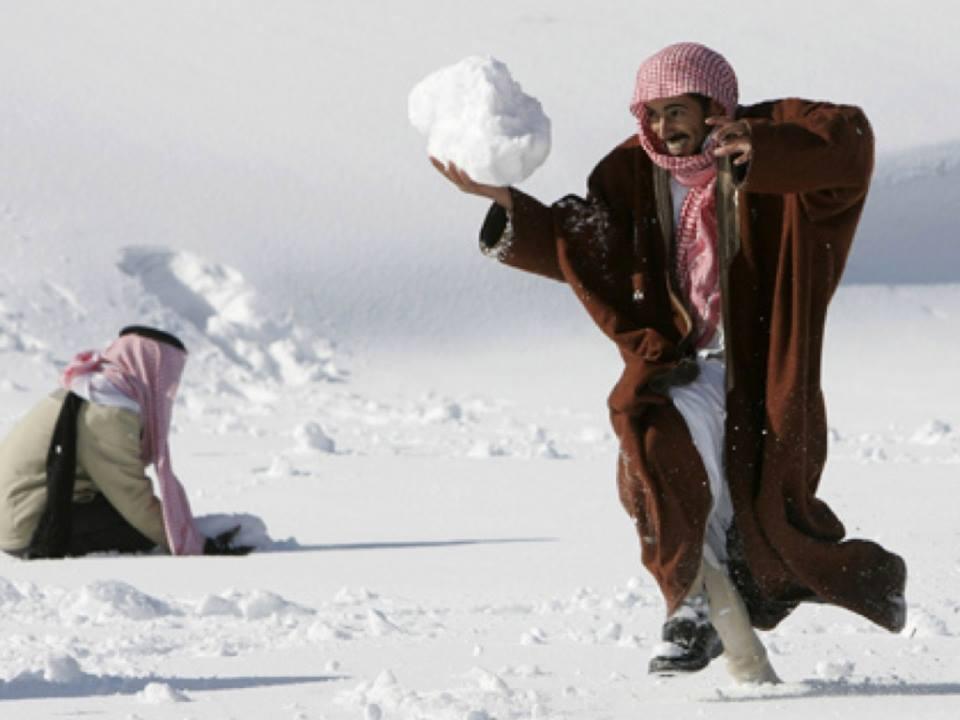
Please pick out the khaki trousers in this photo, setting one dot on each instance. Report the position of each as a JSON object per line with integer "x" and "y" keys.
{"x": 745, "y": 654}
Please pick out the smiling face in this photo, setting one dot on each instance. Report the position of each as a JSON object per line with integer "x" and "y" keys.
{"x": 678, "y": 122}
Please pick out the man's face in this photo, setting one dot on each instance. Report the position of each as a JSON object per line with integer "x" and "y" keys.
{"x": 678, "y": 123}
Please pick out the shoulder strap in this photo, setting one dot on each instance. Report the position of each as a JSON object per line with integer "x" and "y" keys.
{"x": 51, "y": 538}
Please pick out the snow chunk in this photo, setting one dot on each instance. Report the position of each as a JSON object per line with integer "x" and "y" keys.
{"x": 489, "y": 682}
{"x": 483, "y": 450}
{"x": 62, "y": 669}
{"x": 213, "y": 605}
{"x": 872, "y": 455}
{"x": 311, "y": 437}
{"x": 524, "y": 671}
{"x": 549, "y": 451}
{"x": 380, "y": 625}
{"x": 280, "y": 466}
{"x": 322, "y": 631}
{"x": 261, "y": 604}
{"x": 385, "y": 679}
{"x": 108, "y": 600}
{"x": 8, "y": 385}
{"x": 611, "y": 632}
{"x": 9, "y": 593}
{"x": 534, "y": 636}
{"x": 931, "y": 433}
{"x": 835, "y": 669}
{"x": 253, "y": 605}
{"x": 474, "y": 114}
{"x": 924, "y": 624}
{"x": 445, "y": 412}
{"x": 160, "y": 693}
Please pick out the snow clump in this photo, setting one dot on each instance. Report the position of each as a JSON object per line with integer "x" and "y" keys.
{"x": 931, "y": 433}
{"x": 311, "y": 437}
{"x": 9, "y": 593}
{"x": 261, "y": 604}
{"x": 62, "y": 670}
{"x": 156, "y": 693}
{"x": 475, "y": 115}
{"x": 835, "y": 670}
{"x": 104, "y": 601}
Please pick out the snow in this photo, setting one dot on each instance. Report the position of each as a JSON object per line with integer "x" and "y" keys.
{"x": 413, "y": 438}
{"x": 476, "y": 116}
{"x": 158, "y": 693}
{"x": 105, "y": 601}
{"x": 311, "y": 437}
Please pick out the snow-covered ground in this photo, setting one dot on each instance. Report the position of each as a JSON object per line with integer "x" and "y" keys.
{"x": 415, "y": 437}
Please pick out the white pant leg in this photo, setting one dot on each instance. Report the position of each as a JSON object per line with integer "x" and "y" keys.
{"x": 702, "y": 404}
{"x": 746, "y": 657}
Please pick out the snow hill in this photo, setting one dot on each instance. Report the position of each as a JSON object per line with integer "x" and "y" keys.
{"x": 270, "y": 142}
{"x": 909, "y": 233}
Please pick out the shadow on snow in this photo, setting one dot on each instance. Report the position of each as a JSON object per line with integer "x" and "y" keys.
{"x": 291, "y": 546}
{"x": 838, "y": 688}
{"x": 30, "y": 687}
{"x": 400, "y": 545}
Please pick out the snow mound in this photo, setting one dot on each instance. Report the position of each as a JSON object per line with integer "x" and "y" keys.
{"x": 62, "y": 669}
{"x": 380, "y": 625}
{"x": 484, "y": 449}
{"x": 262, "y": 604}
{"x": 482, "y": 695}
{"x": 835, "y": 670}
{"x": 921, "y": 623}
{"x": 253, "y": 530}
{"x": 216, "y": 300}
{"x": 931, "y": 433}
{"x": 474, "y": 114}
{"x": 214, "y": 605}
{"x": 9, "y": 593}
{"x": 107, "y": 600}
{"x": 56, "y": 669}
{"x": 253, "y": 605}
{"x": 156, "y": 693}
{"x": 322, "y": 631}
{"x": 312, "y": 438}
{"x": 13, "y": 321}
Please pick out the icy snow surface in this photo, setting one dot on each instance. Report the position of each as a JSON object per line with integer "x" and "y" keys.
{"x": 414, "y": 438}
{"x": 475, "y": 115}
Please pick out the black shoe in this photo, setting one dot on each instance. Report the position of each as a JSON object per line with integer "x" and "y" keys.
{"x": 690, "y": 642}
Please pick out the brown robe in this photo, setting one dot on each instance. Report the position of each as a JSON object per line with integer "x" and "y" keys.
{"x": 785, "y": 230}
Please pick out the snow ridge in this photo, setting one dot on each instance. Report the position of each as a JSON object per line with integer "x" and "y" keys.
{"x": 216, "y": 300}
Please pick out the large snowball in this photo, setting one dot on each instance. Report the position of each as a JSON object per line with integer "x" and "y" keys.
{"x": 474, "y": 114}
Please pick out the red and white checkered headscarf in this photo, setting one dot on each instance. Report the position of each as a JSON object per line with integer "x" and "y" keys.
{"x": 685, "y": 68}
{"x": 682, "y": 69}
{"x": 148, "y": 372}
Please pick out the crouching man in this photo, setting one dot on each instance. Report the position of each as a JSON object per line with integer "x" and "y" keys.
{"x": 72, "y": 471}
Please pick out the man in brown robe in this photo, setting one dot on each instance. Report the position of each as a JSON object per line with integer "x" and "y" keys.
{"x": 708, "y": 246}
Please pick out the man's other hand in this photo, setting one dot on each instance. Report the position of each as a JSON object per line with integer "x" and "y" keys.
{"x": 733, "y": 139}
